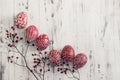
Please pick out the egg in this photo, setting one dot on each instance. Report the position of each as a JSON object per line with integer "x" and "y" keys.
{"x": 68, "y": 53}
{"x": 21, "y": 20}
{"x": 42, "y": 42}
{"x": 31, "y": 33}
{"x": 54, "y": 57}
{"x": 80, "y": 60}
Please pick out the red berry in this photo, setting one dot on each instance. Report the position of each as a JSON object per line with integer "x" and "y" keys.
{"x": 32, "y": 44}
{"x": 12, "y": 56}
{"x": 67, "y": 64}
{"x": 48, "y": 64}
{"x": 16, "y": 41}
{"x": 21, "y": 20}
{"x": 34, "y": 66}
{"x": 31, "y": 70}
{"x": 68, "y": 53}
{"x": 42, "y": 42}
{"x": 73, "y": 70}
{"x": 31, "y": 33}
{"x": 8, "y": 57}
{"x": 48, "y": 69}
{"x": 40, "y": 53}
{"x": 80, "y": 60}
{"x": 17, "y": 57}
{"x": 7, "y": 31}
{"x": 61, "y": 64}
{"x": 9, "y": 45}
{"x": 17, "y": 37}
{"x": 13, "y": 28}
{"x": 34, "y": 58}
{"x": 15, "y": 33}
{"x": 61, "y": 72}
{"x": 58, "y": 70}
{"x": 40, "y": 70}
{"x": 54, "y": 57}
{"x": 21, "y": 38}
{"x": 65, "y": 72}
{"x": 45, "y": 52}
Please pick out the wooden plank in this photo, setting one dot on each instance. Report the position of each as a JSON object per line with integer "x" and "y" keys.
{"x": 6, "y": 19}
{"x": 90, "y": 26}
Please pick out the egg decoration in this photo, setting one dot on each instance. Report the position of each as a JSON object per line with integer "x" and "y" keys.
{"x": 31, "y": 33}
{"x": 80, "y": 60}
{"x": 68, "y": 53}
{"x": 54, "y": 57}
{"x": 42, "y": 42}
{"x": 21, "y": 20}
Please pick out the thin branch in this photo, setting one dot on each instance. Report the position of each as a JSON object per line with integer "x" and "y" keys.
{"x": 41, "y": 58}
{"x": 13, "y": 51}
{"x": 11, "y": 39}
{"x": 26, "y": 49}
{"x": 78, "y": 73}
{"x": 18, "y": 51}
{"x": 73, "y": 74}
{"x": 39, "y": 74}
{"x": 78, "y": 78}
{"x": 69, "y": 76}
{"x": 32, "y": 72}
{"x": 26, "y": 62}
{"x": 17, "y": 63}
{"x": 43, "y": 70}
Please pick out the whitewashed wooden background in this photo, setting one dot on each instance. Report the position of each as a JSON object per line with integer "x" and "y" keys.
{"x": 90, "y": 26}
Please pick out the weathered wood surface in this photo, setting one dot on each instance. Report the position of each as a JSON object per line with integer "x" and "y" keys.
{"x": 90, "y": 26}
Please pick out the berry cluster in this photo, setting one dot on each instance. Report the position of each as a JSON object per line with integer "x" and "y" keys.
{"x": 65, "y": 61}
{"x": 41, "y": 64}
{"x": 13, "y": 37}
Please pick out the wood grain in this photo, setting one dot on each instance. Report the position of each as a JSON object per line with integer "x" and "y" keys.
{"x": 90, "y": 26}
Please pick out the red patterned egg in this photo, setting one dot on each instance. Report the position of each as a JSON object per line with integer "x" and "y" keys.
{"x": 54, "y": 57}
{"x": 68, "y": 53}
{"x": 21, "y": 20}
{"x": 42, "y": 42}
{"x": 80, "y": 60}
{"x": 31, "y": 33}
